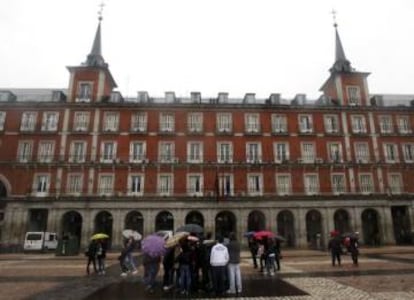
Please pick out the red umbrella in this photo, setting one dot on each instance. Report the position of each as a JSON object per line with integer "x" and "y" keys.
{"x": 334, "y": 233}
{"x": 264, "y": 233}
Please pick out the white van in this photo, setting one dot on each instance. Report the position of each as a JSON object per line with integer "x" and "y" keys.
{"x": 40, "y": 241}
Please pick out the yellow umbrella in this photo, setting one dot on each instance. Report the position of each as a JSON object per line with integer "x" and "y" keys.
{"x": 99, "y": 236}
{"x": 175, "y": 239}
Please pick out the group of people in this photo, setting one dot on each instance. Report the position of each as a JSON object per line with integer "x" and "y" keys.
{"x": 192, "y": 265}
{"x": 96, "y": 254}
{"x": 339, "y": 245}
{"x": 267, "y": 251}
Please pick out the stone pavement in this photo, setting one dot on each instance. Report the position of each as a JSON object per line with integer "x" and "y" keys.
{"x": 383, "y": 273}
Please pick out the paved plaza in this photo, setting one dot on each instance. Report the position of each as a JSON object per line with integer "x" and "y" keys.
{"x": 383, "y": 273}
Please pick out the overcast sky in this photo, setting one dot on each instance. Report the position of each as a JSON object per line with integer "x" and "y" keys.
{"x": 211, "y": 46}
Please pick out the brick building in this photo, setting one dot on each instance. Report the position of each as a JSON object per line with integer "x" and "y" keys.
{"x": 85, "y": 159}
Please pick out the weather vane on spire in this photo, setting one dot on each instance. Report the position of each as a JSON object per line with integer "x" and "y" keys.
{"x": 100, "y": 11}
{"x": 333, "y": 12}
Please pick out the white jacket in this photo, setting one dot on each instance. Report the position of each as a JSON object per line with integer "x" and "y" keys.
{"x": 219, "y": 255}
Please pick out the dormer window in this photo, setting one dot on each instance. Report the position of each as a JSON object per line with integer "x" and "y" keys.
{"x": 84, "y": 92}
{"x": 2, "y": 119}
{"x": 354, "y": 95}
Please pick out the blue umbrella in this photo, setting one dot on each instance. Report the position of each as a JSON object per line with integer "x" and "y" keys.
{"x": 153, "y": 245}
{"x": 249, "y": 234}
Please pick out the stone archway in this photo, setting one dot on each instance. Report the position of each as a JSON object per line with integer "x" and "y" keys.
{"x": 38, "y": 219}
{"x": 194, "y": 217}
{"x": 103, "y": 224}
{"x": 71, "y": 227}
{"x": 314, "y": 229}
{"x": 135, "y": 221}
{"x": 256, "y": 221}
{"x": 226, "y": 222}
{"x": 341, "y": 221}
{"x": 401, "y": 225}
{"x": 285, "y": 227}
{"x": 370, "y": 227}
{"x": 164, "y": 221}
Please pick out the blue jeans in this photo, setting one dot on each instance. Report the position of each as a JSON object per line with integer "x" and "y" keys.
{"x": 235, "y": 281}
{"x": 185, "y": 278}
{"x": 150, "y": 273}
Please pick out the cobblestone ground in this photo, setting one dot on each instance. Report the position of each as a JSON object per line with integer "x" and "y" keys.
{"x": 383, "y": 273}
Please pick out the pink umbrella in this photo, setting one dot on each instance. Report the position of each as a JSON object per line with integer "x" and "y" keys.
{"x": 264, "y": 233}
{"x": 153, "y": 245}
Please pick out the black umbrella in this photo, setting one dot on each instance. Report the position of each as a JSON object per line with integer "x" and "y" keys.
{"x": 191, "y": 228}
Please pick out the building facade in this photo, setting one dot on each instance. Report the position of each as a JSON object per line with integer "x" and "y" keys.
{"x": 84, "y": 159}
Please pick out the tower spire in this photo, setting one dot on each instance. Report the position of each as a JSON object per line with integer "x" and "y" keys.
{"x": 95, "y": 58}
{"x": 341, "y": 64}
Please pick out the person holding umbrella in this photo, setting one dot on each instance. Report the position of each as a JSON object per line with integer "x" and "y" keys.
{"x": 91, "y": 255}
{"x": 126, "y": 258}
{"x": 152, "y": 250}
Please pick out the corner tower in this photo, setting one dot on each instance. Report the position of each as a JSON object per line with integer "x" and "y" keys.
{"x": 345, "y": 86}
{"x": 91, "y": 81}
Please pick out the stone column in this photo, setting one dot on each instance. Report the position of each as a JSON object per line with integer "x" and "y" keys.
{"x": 149, "y": 221}
{"x": 117, "y": 227}
{"x": 87, "y": 227}
{"x": 300, "y": 229}
{"x": 387, "y": 226}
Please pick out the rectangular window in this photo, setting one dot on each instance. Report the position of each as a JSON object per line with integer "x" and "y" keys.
{"x": 226, "y": 187}
{"x": 167, "y": 121}
{"x": 252, "y": 123}
{"x": 46, "y": 151}
{"x": 2, "y": 119}
{"x": 281, "y": 152}
{"x": 139, "y": 122}
{"x": 385, "y": 123}
{"x": 106, "y": 184}
{"x": 395, "y": 183}
{"x": 354, "y": 95}
{"x": 331, "y": 123}
{"x": 390, "y": 152}
{"x": 165, "y": 184}
{"x": 78, "y": 151}
{"x": 41, "y": 184}
{"x": 224, "y": 152}
{"x": 224, "y": 122}
{"x": 111, "y": 122}
{"x": 50, "y": 121}
{"x": 279, "y": 123}
{"x": 24, "y": 152}
{"x": 28, "y": 122}
{"x": 194, "y": 152}
{"x": 308, "y": 152}
{"x": 305, "y": 123}
{"x": 253, "y": 152}
{"x": 362, "y": 153}
{"x": 74, "y": 184}
{"x": 137, "y": 151}
{"x": 136, "y": 184}
{"x": 338, "y": 183}
{"x": 283, "y": 184}
{"x": 81, "y": 121}
{"x": 254, "y": 184}
{"x": 108, "y": 152}
{"x": 84, "y": 92}
{"x": 195, "y": 185}
{"x": 195, "y": 122}
{"x": 408, "y": 152}
{"x": 311, "y": 184}
{"x": 366, "y": 184}
{"x": 335, "y": 152}
{"x": 166, "y": 152}
{"x": 358, "y": 124}
{"x": 404, "y": 125}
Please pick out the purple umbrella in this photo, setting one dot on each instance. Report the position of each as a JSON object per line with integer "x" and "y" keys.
{"x": 153, "y": 245}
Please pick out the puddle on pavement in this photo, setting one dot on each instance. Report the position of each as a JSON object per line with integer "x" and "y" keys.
{"x": 254, "y": 287}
